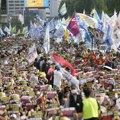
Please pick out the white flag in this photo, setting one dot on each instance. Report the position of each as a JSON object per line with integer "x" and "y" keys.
{"x": 21, "y": 18}
{"x": 59, "y": 32}
{"x": 63, "y": 9}
{"x": 1, "y": 32}
{"x": 116, "y": 33}
{"x": 46, "y": 44}
{"x": 6, "y": 29}
{"x": 32, "y": 55}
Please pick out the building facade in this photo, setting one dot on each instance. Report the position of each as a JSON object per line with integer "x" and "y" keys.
{"x": 54, "y": 8}
{"x": 15, "y": 7}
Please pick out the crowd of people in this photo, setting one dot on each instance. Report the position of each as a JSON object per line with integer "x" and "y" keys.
{"x": 40, "y": 90}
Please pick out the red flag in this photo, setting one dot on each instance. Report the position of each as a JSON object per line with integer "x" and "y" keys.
{"x": 72, "y": 26}
{"x": 62, "y": 61}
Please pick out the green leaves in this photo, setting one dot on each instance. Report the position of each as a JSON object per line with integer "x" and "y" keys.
{"x": 100, "y": 5}
{"x": 113, "y": 5}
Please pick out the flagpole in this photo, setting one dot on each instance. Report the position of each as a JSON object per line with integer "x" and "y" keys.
{"x": 23, "y": 15}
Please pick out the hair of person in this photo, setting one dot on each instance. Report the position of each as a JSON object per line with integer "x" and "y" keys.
{"x": 87, "y": 91}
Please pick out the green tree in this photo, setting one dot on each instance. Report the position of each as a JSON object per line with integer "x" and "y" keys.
{"x": 16, "y": 22}
{"x": 113, "y": 5}
{"x": 87, "y": 5}
{"x": 0, "y": 13}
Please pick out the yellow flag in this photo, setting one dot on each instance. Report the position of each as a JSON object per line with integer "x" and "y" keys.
{"x": 66, "y": 33}
{"x": 92, "y": 13}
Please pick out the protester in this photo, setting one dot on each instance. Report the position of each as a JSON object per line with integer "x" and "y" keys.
{"x": 90, "y": 107}
{"x": 57, "y": 82}
{"x": 47, "y": 88}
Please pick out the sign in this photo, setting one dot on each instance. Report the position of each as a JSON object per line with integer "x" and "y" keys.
{"x": 52, "y": 111}
{"x": 68, "y": 111}
{"x": 36, "y": 3}
{"x": 14, "y": 108}
{"x": 32, "y": 55}
{"x": 51, "y": 94}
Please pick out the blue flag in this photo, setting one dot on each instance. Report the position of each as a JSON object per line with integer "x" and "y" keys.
{"x": 108, "y": 39}
{"x": 100, "y": 24}
{"x": 82, "y": 25}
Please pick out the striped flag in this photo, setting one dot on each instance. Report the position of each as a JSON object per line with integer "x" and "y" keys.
{"x": 63, "y": 9}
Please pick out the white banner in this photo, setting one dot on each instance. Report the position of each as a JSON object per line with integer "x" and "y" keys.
{"x": 32, "y": 55}
{"x": 70, "y": 78}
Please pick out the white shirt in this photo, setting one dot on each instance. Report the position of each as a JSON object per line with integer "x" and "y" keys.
{"x": 57, "y": 78}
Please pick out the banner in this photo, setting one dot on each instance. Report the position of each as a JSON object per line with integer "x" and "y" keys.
{"x": 32, "y": 55}
{"x": 70, "y": 78}
{"x": 36, "y": 3}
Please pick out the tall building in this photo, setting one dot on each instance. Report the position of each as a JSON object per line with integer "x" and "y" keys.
{"x": 3, "y": 7}
{"x": 15, "y": 7}
{"x": 11, "y": 8}
{"x": 54, "y": 8}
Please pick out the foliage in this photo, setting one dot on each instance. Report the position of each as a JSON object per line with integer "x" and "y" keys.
{"x": 15, "y": 22}
{"x": 113, "y": 5}
{"x": 87, "y": 5}
{"x": 79, "y": 5}
{"x": 0, "y": 12}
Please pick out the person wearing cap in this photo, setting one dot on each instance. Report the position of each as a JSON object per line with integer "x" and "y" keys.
{"x": 57, "y": 78}
{"x": 89, "y": 108}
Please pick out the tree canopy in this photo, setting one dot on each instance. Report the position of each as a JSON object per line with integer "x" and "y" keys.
{"x": 79, "y": 5}
{"x": 113, "y": 5}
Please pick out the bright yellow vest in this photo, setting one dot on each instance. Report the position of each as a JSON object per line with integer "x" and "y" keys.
{"x": 90, "y": 108}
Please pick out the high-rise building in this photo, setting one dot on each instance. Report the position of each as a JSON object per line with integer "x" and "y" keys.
{"x": 11, "y": 8}
{"x": 3, "y": 7}
{"x": 54, "y": 7}
{"x": 15, "y": 7}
